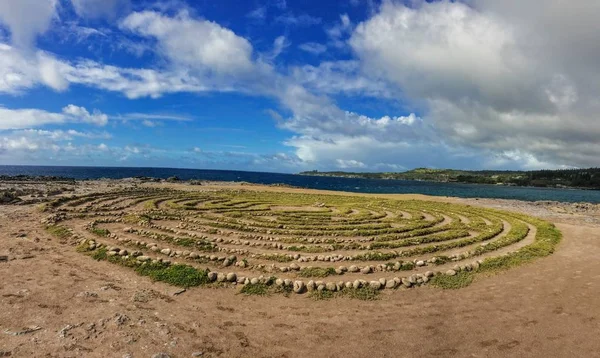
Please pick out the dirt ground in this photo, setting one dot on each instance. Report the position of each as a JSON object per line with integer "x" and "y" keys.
{"x": 78, "y": 307}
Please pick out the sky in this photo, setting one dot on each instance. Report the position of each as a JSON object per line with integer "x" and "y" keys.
{"x": 290, "y": 85}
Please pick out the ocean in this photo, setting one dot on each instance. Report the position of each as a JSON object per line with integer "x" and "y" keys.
{"x": 314, "y": 182}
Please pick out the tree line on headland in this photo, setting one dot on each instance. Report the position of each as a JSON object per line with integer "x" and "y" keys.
{"x": 560, "y": 178}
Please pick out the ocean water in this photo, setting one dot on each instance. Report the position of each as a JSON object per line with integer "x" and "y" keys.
{"x": 314, "y": 182}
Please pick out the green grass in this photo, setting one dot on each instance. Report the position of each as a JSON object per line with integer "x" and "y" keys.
{"x": 176, "y": 275}
{"x": 363, "y": 293}
{"x": 100, "y": 254}
{"x": 99, "y": 232}
{"x": 58, "y": 231}
{"x": 259, "y": 289}
{"x": 460, "y": 280}
{"x": 317, "y": 272}
{"x": 321, "y": 295}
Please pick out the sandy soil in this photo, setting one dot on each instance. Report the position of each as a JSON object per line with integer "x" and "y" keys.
{"x": 97, "y": 309}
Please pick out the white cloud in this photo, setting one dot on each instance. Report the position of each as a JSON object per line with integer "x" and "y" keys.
{"x": 100, "y": 8}
{"x": 303, "y": 20}
{"x": 197, "y": 44}
{"x": 313, "y": 47}
{"x": 31, "y": 118}
{"x": 26, "y": 19}
{"x": 349, "y": 164}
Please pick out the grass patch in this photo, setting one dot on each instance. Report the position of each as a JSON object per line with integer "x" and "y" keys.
{"x": 100, "y": 254}
{"x": 58, "y": 231}
{"x": 258, "y": 289}
{"x": 460, "y": 280}
{"x": 177, "y": 275}
{"x": 321, "y": 295}
{"x": 316, "y": 272}
{"x": 99, "y": 232}
{"x": 363, "y": 293}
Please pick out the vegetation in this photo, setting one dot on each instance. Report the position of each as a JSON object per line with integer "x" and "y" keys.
{"x": 571, "y": 178}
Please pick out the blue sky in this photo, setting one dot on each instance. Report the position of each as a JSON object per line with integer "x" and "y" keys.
{"x": 285, "y": 86}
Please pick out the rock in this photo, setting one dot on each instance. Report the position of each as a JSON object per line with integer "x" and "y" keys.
{"x": 451, "y": 272}
{"x": 390, "y": 284}
{"x": 161, "y": 355}
{"x": 348, "y": 284}
{"x": 212, "y": 276}
{"x": 331, "y": 286}
{"x": 420, "y": 263}
{"x": 221, "y": 277}
{"x": 294, "y": 266}
{"x": 382, "y": 281}
{"x": 475, "y": 266}
{"x": 287, "y": 282}
{"x": 165, "y": 251}
{"x": 406, "y": 282}
{"x": 254, "y": 280}
{"x": 356, "y": 284}
{"x": 310, "y": 286}
{"x": 353, "y": 268}
{"x": 298, "y": 286}
{"x": 231, "y": 277}
{"x": 194, "y": 255}
{"x": 226, "y": 263}
{"x": 365, "y": 270}
{"x": 429, "y": 274}
{"x": 197, "y": 354}
{"x": 143, "y": 258}
{"x": 279, "y": 282}
{"x": 321, "y": 287}
{"x": 375, "y": 284}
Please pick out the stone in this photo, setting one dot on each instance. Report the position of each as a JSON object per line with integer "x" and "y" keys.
{"x": 226, "y": 263}
{"x": 356, "y": 284}
{"x": 353, "y": 268}
{"x": 298, "y": 286}
{"x": 420, "y": 263}
{"x": 161, "y": 355}
{"x": 287, "y": 282}
{"x": 321, "y": 287}
{"x": 406, "y": 282}
{"x": 212, "y": 276}
{"x": 221, "y": 277}
{"x": 429, "y": 274}
{"x": 310, "y": 286}
{"x": 165, "y": 251}
{"x": 331, "y": 286}
{"x": 390, "y": 284}
{"x": 375, "y": 285}
{"x": 254, "y": 280}
{"x": 348, "y": 284}
{"x": 365, "y": 270}
{"x": 231, "y": 277}
{"x": 197, "y": 354}
{"x": 143, "y": 258}
{"x": 382, "y": 281}
{"x": 279, "y": 282}
{"x": 451, "y": 272}
{"x": 294, "y": 266}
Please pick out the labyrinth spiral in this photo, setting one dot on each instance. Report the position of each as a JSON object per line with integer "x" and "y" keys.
{"x": 296, "y": 241}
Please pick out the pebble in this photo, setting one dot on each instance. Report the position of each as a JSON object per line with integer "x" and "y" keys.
{"x": 420, "y": 263}
{"x": 356, "y": 284}
{"x": 451, "y": 272}
{"x": 310, "y": 286}
{"x": 365, "y": 270}
{"x": 353, "y": 268}
{"x": 221, "y": 277}
{"x": 390, "y": 284}
{"x": 231, "y": 277}
{"x": 298, "y": 286}
{"x": 212, "y": 276}
{"x": 254, "y": 280}
{"x": 331, "y": 286}
{"x": 165, "y": 251}
{"x": 375, "y": 284}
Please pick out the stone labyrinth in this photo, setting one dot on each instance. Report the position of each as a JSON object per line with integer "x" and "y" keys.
{"x": 295, "y": 242}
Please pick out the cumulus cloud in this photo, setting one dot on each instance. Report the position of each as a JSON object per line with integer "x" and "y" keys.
{"x": 313, "y": 47}
{"x": 31, "y": 118}
{"x": 26, "y": 19}
{"x": 95, "y": 9}
{"x": 198, "y": 44}
{"x": 502, "y": 77}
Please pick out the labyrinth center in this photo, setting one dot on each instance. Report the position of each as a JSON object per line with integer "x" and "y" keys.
{"x": 297, "y": 242}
